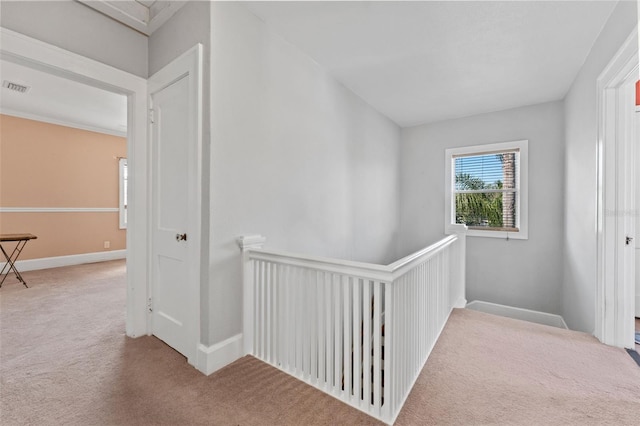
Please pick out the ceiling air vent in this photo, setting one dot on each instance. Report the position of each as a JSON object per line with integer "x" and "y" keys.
{"x": 15, "y": 87}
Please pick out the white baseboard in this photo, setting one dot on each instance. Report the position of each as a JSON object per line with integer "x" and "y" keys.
{"x": 74, "y": 259}
{"x": 518, "y": 313}
{"x": 460, "y": 303}
{"x": 213, "y": 358}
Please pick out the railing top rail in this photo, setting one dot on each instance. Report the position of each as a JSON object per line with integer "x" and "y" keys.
{"x": 385, "y": 273}
{"x": 399, "y": 267}
{"x": 339, "y": 266}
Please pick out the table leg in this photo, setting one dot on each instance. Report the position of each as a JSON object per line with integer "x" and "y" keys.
{"x": 11, "y": 263}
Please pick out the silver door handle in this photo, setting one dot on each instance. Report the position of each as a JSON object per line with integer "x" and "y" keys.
{"x": 181, "y": 237}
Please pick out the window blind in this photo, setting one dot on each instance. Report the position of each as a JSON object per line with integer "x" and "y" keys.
{"x": 496, "y": 170}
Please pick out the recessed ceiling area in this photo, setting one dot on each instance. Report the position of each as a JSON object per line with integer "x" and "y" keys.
{"x": 145, "y": 16}
{"x": 61, "y": 101}
{"x": 419, "y": 62}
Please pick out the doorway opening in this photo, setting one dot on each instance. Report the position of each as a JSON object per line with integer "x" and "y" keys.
{"x": 25, "y": 51}
{"x": 62, "y": 141}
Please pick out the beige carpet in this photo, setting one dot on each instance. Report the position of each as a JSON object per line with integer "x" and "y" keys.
{"x": 64, "y": 360}
{"x": 493, "y": 370}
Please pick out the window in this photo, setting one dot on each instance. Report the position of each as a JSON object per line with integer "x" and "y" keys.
{"x": 486, "y": 189}
{"x": 122, "y": 165}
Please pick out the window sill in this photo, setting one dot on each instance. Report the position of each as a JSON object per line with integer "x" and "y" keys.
{"x": 504, "y": 233}
{"x": 488, "y": 228}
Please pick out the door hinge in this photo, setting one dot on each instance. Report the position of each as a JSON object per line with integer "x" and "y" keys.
{"x": 152, "y": 116}
{"x": 149, "y": 305}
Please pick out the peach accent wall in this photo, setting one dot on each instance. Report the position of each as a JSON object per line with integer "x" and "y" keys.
{"x": 61, "y": 234}
{"x": 45, "y": 165}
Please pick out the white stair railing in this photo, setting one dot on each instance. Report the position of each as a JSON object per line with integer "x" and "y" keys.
{"x": 360, "y": 332}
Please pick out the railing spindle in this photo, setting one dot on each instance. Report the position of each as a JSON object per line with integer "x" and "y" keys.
{"x": 337, "y": 336}
{"x": 346, "y": 346}
{"x": 357, "y": 339}
{"x": 366, "y": 347}
{"x": 377, "y": 366}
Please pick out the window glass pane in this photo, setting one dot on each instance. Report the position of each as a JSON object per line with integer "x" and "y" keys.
{"x": 489, "y": 171}
{"x": 123, "y": 196}
{"x": 486, "y": 209}
{"x": 124, "y": 186}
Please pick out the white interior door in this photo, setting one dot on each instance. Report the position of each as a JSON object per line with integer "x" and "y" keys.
{"x": 175, "y": 123}
{"x": 627, "y": 203}
{"x": 617, "y": 205}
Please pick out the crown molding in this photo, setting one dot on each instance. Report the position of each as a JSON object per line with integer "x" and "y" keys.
{"x": 65, "y": 123}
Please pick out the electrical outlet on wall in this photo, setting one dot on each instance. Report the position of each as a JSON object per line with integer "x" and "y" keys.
{"x": 107, "y": 244}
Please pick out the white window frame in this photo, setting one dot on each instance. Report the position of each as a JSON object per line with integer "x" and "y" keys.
{"x": 522, "y": 194}
{"x": 122, "y": 208}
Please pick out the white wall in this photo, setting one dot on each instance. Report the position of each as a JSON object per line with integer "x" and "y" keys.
{"x": 79, "y": 29}
{"x": 189, "y": 26}
{"x": 295, "y": 157}
{"x": 637, "y": 237}
{"x": 529, "y": 274}
{"x": 580, "y": 173}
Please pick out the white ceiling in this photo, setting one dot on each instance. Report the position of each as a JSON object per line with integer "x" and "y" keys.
{"x": 419, "y": 62}
{"x": 415, "y": 62}
{"x": 61, "y": 101}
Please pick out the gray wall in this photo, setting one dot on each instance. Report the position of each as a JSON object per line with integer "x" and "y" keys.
{"x": 529, "y": 273}
{"x": 189, "y": 26}
{"x": 79, "y": 29}
{"x": 295, "y": 157}
{"x": 580, "y": 172}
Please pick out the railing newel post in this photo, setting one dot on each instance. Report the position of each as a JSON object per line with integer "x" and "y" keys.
{"x": 246, "y": 244}
{"x": 458, "y": 264}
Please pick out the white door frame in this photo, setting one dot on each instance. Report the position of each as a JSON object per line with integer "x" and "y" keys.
{"x": 615, "y": 284}
{"x": 24, "y": 50}
{"x": 189, "y": 63}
